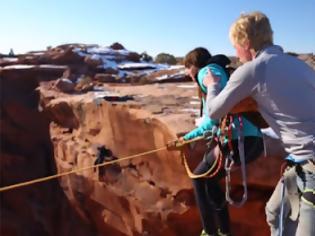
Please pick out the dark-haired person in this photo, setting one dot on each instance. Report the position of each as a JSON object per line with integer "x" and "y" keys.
{"x": 284, "y": 89}
{"x": 208, "y": 194}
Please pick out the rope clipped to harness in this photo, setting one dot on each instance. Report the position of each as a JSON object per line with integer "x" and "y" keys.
{"x": 211, "y": 172}
{"x": 215, "y": 167}
{"x": 211, "y": 137}
{"x": 226, "y": 127}
{"x": 229, "y": 162}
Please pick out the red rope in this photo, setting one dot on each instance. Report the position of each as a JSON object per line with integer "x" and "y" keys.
{"x": 230, "y": 133}
{"x": 218, "y": 168}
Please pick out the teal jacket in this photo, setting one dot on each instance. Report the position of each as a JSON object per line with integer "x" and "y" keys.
{"x": 206, "y": 124}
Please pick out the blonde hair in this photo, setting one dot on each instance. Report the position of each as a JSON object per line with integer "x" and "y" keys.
{"x": 254, "y": 28}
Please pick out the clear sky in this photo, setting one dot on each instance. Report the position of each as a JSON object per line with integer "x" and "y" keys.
{"x": 172, "y": 26}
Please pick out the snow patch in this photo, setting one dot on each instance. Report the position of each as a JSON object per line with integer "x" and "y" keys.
{"x": 18, "y": 67}
{"x": 9, "y": 59}
{"x": 187, "y": 86}
{"x": 135, "y": 65}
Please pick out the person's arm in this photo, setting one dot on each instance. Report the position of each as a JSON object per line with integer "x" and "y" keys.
{"x": 241, "y": 85}
{"x": 205, "y": 125}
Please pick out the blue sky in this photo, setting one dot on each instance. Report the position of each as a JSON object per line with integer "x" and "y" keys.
{"x": 172, "y": 26}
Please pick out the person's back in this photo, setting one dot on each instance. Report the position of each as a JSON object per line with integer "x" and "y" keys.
{"x": 285, "y": 87}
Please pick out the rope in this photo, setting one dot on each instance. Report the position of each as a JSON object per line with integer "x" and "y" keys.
{"x": 218, "y": 161}
{"x": 43, "y": 179}
{"x": 206, "y": 174}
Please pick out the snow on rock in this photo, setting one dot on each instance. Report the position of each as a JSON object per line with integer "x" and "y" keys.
{"x": 132, "y": 66}
{"x": 115, "y": 63}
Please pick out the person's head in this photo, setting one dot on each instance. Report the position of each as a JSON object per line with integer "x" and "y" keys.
{"x": 249, "y": 34}
{"x": 195, "y": 60}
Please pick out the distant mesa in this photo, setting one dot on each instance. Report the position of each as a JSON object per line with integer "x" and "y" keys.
{"x": 103, "y": 64}
{"x": 117, "y": 46}
{"x": 11, "y": 53}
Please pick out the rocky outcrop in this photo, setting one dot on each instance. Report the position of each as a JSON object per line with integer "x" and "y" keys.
{"x": 113, "y": 64}
{"x": 142, "y": 196}
{"x": 308, "y": 58}
{"x": 149, "y": 195}
{"x": 152, "y": 194}
{"x": 27, "y": 153}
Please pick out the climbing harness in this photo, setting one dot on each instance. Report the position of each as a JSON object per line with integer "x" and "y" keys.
{"x": 308, "y": 196}
{"x": 229, "y": 162}
{"x": 226, "y": 127}
{"x": 215, "y": 167}
{"x": 281, "y": 207}
{"x": 281, "y": 215}
{"x": 290, "y": 193}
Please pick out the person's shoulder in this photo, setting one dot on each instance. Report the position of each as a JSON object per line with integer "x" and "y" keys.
{"x": 246, "y": 69}
{"x": 215, "y": 69}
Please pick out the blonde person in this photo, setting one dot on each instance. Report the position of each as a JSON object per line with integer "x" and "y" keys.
{"x": 284, "y": 89}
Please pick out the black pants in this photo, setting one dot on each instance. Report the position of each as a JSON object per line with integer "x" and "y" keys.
{"x": 209, "y": 196}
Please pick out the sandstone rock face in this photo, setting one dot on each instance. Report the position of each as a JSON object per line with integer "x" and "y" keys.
{"x": 152, "y": 194}
{"x": 27, "y": 153}
{"x": 117, "y": 46}
{"x": 148, "y": 195}
{"x": 308, "y": 58}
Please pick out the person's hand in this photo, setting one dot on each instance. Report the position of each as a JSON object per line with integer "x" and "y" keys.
{"x": 181, "y": 139}
{"x": 210, "y": 79}
{"x": 175, "y": 145}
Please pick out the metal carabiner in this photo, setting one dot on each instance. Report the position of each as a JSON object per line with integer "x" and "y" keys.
{"x": 228, "y": 166}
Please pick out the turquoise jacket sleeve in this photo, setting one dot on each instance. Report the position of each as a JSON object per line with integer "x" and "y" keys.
{"x": 217, "y": 71}
{"x": 205, "y": 125}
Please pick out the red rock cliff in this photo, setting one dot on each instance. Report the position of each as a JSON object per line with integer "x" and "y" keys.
{"x": 26, "y": 153}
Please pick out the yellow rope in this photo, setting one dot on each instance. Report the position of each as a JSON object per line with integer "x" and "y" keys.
{"x": 194, "y": 176}
{"x": 43, "y": 179}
